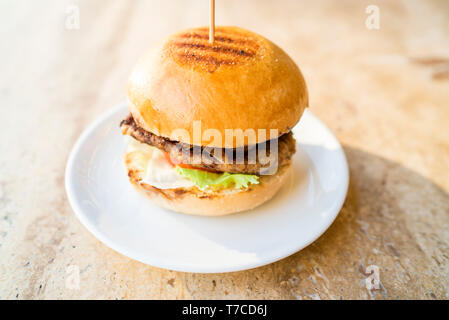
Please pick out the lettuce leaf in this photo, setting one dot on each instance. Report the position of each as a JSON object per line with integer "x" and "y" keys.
{"x": 204, "y": 179}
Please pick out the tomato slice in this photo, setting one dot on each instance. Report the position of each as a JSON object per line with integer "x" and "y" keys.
{"x": 168, "y": 158}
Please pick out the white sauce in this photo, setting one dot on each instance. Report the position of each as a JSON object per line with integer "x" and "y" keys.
{"x": 159, "y": 172}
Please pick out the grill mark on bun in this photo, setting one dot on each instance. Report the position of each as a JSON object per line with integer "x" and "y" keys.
{"x": 220, "y": 39}
{"x": 215, "y": 48}
{"x": 209, "y": 62}
{"x": 194, "y": 50}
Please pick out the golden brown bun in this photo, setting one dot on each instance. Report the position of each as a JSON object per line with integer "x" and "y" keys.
{"x": 242, "y": 81}
{"x": 197, "y": 202}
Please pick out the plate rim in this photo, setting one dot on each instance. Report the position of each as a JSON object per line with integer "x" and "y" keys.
{"x": 71, "y": 195}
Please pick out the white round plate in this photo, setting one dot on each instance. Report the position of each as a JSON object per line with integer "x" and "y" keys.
{"x": 108, "y": 205}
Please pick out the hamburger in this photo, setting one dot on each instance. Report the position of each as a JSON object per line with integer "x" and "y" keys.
{"x": 209, "y": 128}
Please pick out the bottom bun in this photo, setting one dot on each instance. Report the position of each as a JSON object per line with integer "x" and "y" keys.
{"x": 194, "y": 201}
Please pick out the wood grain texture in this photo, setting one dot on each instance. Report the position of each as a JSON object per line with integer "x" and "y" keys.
{"x": 383, "y": 92}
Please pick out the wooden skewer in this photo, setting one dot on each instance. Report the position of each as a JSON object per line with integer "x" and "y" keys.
{"x": 212, "y": 21}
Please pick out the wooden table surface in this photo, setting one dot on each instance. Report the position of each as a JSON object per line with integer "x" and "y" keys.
{"x": 384, "y": 93}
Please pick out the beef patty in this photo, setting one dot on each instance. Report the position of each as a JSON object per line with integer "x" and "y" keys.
{"x": 239, "y": 160}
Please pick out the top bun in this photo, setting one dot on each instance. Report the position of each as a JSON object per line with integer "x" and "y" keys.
{"x": 241, "y": 81}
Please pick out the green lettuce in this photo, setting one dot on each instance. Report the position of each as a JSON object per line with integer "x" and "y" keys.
{"x": 204, "y": 179}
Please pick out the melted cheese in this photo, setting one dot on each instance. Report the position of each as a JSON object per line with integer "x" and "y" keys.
{"x": 159, "y": 172}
